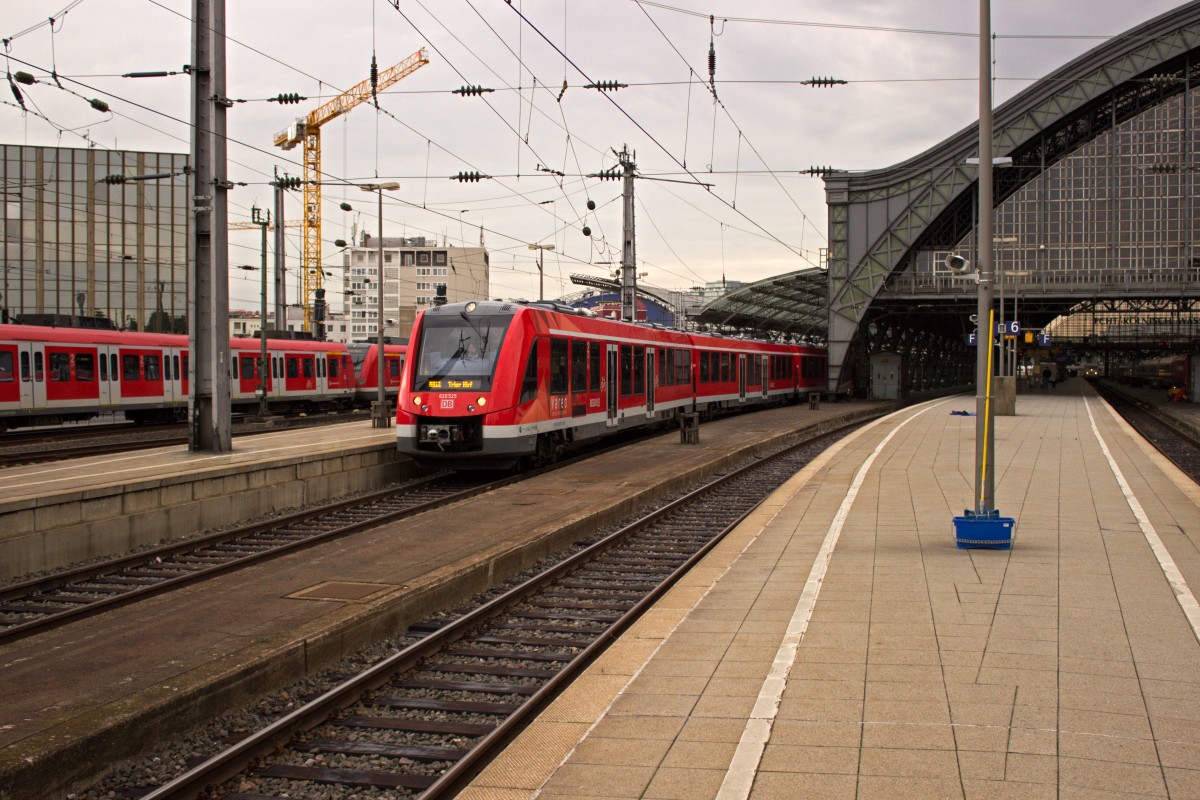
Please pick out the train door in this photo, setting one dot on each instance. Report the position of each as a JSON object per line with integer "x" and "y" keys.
{"x": 741, "y": 368}
{"x": 106, "y": 398}
{"x": 31, "y": 364}
{"x": 612, "y": 386}
{"x": 762, "y": 375}
{"x": 173, "y": 372}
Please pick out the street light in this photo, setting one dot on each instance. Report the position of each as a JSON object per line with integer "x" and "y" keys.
{"x": 379, "y": 410}
{"x": 541, "y": 273}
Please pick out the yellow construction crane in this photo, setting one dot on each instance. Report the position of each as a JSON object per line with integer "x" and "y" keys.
{"x": 308, "y": 130}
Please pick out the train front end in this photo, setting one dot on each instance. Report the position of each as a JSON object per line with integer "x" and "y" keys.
{"x": 460, "y": 389}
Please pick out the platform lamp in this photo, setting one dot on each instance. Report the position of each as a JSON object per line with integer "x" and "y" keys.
{"x": 379, "y": 409}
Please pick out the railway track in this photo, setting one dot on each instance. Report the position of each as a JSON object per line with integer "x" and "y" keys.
{"x": 38, "y": 605}
{"x": 1177, "y": 444}
{"x": 423, "y": 720}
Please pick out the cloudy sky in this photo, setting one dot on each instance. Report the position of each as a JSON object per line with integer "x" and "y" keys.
{"x": 736, "y": 203}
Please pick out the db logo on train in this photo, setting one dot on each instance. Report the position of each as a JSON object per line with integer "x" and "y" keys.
{"x": 447, "y": 402}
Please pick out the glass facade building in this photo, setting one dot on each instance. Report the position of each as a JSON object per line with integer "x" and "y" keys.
{"x": 77, "y": 245}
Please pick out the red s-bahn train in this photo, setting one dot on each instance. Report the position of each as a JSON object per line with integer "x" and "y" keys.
{"x": 491, "y": 384}
{"x": 50, "y": 375}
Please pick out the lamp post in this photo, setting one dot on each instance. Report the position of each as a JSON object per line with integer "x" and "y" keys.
{"x": 541, "y": 272}
{"x": 379, "y": 410}
{"x": 263, "y": 220}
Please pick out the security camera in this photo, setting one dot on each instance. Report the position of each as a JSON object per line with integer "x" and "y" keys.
{"x": 957, "y": 264}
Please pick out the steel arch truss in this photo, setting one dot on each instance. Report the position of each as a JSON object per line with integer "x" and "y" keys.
{"x": 879, "y": 220}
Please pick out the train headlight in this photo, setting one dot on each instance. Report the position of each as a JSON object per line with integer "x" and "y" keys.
{"x": 481, "y": 401}
{"x": 470, "y": 307}
{"x": 416, "y": 400}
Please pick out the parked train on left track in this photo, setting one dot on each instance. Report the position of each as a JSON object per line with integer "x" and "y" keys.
{"x": 50, "y": 375}
{"x": 491, "y": 384}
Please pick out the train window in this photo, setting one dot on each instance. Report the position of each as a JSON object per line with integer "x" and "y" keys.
{"x": 60, "y": 367}
{"x": 233, "y": 367}
{"x": 248, "y": 367}
{"x": 85, "y": 367}
{"x": 529, "y": 382}
{"x": 293, "y": 368}
{"x": 320, "y": 368}
{"x": 704, "y": 367}
{"x": 626, "y": 370}
{"x": 306, "y": 367}
{"x": 664, "y": 377}
{"x": 112, "y": 366}
{"x": 103, "y": 368}
{"x": 130, "y": 368}
{"x": 593, "y": 366}
{"x": 38, "y": 375}
{"x": 579, "y": 365}
{"x": 25, "y": 366}
{"x": 639, "y": 370}
{"x": 333, "y": 367}
{"x": 152, "y": 364}
{"x": 558, "y": 366}
{"x": 6, "y": 367}
{"x": 184, "y": 364}
{"x": 393, "y": 367}
{"x": 681, "y": 367}
{"x": 173, "y": 362}
{"x": 725, "y": 373}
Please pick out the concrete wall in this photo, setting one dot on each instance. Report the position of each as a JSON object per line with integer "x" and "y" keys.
{"x": 52, "y": 532}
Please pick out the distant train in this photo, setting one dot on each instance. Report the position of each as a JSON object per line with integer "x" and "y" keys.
{"x": 1162, "y": 372}
{"x": 491, "y": 384}
{"x": 51, "y": 375}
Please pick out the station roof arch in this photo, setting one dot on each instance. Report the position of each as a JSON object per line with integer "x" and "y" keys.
{"x": 880, "y": 219}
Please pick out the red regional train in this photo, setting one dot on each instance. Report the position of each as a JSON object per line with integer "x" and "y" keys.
{"x": 51, "y": 375}
{"x": 492, "y": 384}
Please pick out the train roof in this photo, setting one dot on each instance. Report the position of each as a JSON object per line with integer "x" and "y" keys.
{"x": 590, "y": 321}
{"x": 38, "y": 333}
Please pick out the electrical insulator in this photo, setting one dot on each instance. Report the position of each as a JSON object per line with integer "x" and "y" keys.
{"x": 821, "y": 170}
{"x": 111, "y": 179}
{"x": 288, "y": 182}
{"x": 471, "y": 91}
{"x": 587, "y": 231}
{"x": 824, "y": 82}
{"x": 339, "y": 242}
{"x": 287, "y": 98}
{"x": 608, "y": 174}
{"x": 99, "y": 105}
{"x": 345, "y": 207}
{"x": 468, "y": 177}
{"x": 25, "y": 78}
{"x": 607, "y": 86}
{"x": 591, "y": 205}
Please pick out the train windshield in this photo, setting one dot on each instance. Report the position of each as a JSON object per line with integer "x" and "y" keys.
{"x": 458, "y": 353}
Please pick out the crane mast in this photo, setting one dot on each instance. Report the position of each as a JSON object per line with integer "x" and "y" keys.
{"x": 307, "y": 131}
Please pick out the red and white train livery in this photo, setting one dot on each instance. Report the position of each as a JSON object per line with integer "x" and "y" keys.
{"x": 52, "y": 375}
{"x": 492, "y": 383}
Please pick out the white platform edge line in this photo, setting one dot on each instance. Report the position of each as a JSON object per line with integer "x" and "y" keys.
{"x": 739, "y": 778}
{"x": 1179, "y": 587}
{"x": 799, "y": 479}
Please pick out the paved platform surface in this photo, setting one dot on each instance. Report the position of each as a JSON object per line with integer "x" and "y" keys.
{"x": 99, "y": 689}
{"x": 839, "y": 645}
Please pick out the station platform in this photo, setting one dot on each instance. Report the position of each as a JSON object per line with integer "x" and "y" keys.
{"x": 81, "y": 698}
{"x": 58, "y": 513}
{"x": 839, "y": 645}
